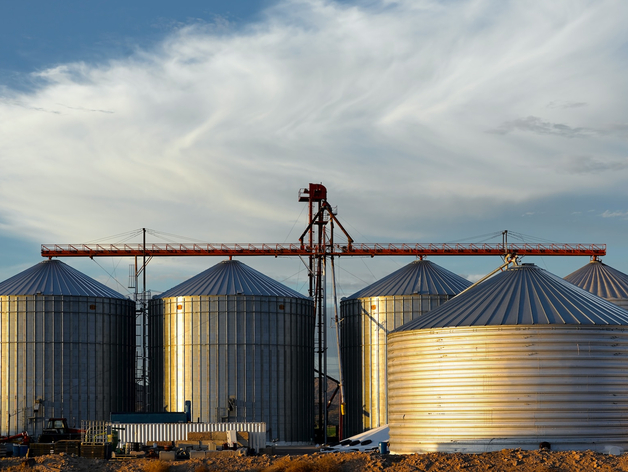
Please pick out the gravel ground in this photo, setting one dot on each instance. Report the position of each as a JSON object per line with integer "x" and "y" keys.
{"x": 507, "y": 460}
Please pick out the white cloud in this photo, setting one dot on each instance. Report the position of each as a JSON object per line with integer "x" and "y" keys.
{"x": 474, "y": 277}
{"x": 615, "y": 214}
{"x": 387, "y": 103}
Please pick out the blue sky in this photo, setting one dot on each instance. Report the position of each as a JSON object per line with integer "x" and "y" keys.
{"x": 427, "y": 121}
{"x": 36, "y": 34}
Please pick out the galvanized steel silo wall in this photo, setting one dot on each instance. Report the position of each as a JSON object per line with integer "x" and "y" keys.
{"x": 364, "y": 327}
{"x": 64, "y": 356}
{"x": 478, "y": 389}
{"x": 236, "y": 358}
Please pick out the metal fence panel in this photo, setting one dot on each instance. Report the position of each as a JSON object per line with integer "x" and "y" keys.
{"x": 149, "y": 432}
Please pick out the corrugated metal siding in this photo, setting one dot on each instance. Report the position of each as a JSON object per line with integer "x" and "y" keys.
{"x": 417, "y": 278}
{"x": 363, "y": 330}
{"x": 147, "y": 433}
{"x": 480, "y": 389}
{"x": 259, "y": 351}
{"x": 231, "y": 278}
{"x": 524, "y": 295}
{"x": 367, "y": 317}
{"x": 53, "y": 277}
{"x": 76, "y": 354}
{"x": 601, "y": 280}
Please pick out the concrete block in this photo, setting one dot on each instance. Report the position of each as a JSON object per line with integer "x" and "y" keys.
{"x": 167, "y": 455}
{"x": 187, "y": 444}
{"x": 209, "y": 445}
{"x": 197, "y": 455}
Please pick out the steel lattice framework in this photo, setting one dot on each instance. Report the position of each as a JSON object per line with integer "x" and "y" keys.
{"x": 337, "y": 250}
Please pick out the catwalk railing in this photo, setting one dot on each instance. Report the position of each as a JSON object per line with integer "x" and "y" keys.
{"x": 338, "y": 250}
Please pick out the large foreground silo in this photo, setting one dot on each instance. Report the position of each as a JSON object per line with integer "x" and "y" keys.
{"x": 67, "y": 347}
{"x": 367, "y": 317}
{"x": 240, "y": 347}
{"x": 521, "y": 359}
{"x": 603, "y": 281}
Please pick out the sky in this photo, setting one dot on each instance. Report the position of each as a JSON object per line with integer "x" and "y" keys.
{"x": 427, "y": 121}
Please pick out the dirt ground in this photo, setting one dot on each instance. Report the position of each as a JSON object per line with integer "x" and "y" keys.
{"x": 507, "y": 460}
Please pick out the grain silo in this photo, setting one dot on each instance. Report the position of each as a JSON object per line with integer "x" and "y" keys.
{"x": 67, "y": 347}
{"x": 522, "y": 358}
{"x": 240, "y": 347}
{"x": 603, "y": 281}
{"x": 367, "y": 317}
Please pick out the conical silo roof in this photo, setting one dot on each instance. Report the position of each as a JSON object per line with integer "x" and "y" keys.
{"x": 600, "y": 280}
{"x": 522, "y": 295}
{"x": 417, "y": 278}
{"x": 230, "y": 278}
{"x": 54, "y": 277}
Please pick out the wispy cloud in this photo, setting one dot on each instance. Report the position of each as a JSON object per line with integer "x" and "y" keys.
{"x": 20, "y": 104}
{"x": 387, "y": 104}
{"x": 85, "y": 109}
{"x": 473, "y": 277}
{"x": 534, "y": 124}
{"x": 615, "y": 214}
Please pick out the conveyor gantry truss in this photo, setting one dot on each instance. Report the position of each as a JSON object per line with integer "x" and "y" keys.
{"x": 336, "y": 250}
{"x": 317, "y": 244}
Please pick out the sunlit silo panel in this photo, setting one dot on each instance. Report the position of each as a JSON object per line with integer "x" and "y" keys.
{"x": 521, "y": 359}
{"x": 603, "y": 281}
{"x": 240, "y": 347}
{"x": 67, "y": 347}
{"x": 367, "y": 317}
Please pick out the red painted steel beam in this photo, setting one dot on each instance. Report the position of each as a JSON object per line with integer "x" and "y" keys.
{"x": 381, "y": 249}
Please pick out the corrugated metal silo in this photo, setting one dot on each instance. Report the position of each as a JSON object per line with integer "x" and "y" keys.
{"x": 603, "y": 281}
{"x": 67, "y": 347}
{"x": 239, "y": 346}
{"x": 367, "y": 317}
{"x": 523, "y": 358}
